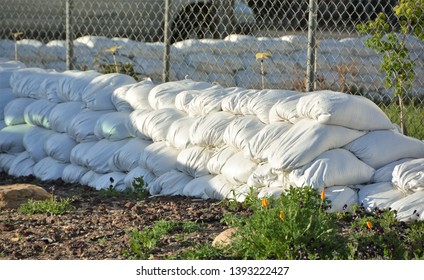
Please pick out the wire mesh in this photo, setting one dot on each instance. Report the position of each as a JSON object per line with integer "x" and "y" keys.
{"x": 213, "y": 40}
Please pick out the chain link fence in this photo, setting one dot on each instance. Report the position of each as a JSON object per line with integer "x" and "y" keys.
{"x": 213, "y": 40}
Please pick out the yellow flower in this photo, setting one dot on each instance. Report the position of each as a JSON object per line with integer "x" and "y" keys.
{"x": 369, "y": 224}
{"x": 282, "y": 216}
{"x": 265, "y": 202}
{"x": 113, "y": 49}
{"x": 323, "y": 194}
{"x": 262, "y": 55}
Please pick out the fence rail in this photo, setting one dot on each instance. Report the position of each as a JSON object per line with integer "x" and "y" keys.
{"x": 212, "y": 40}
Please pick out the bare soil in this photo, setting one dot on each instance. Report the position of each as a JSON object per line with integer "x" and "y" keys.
{"x": 98, "y": 227}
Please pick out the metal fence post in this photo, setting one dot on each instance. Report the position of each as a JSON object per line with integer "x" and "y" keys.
{"x": 312, "y": 26}
{"x": 166, "y": 42}
{"x": 69, "y": 36}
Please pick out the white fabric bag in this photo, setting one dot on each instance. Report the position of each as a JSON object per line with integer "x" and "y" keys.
{"x": 119, "y": 98}
{"x": 342, "y": 198}
{"x": 209, "y": 130}
{"x": 159, "y": 158}
{"x": 6, "y": 161}
{"x": 193, "y": 161}
{"x": 11, "y": 138}
{"x": 126, "y": 157}
{"x": 98, "y": 156}
{"x": 237, "y": 99}
{"x": 352, "y": 111}
{"x": 73, "y": 173}
{"x": 384, "y": 174}
{"x": 258, "y": 145}
{"x": 148, "y": 177}
{"x": 38, "y": 112}
{"x": 79, "y": 153}
{"x": 238, "y": 168}
{"x": 170, "y": 183}
{"x": 306, "y": 140}
{"x": 381, "y": 147}
{"x": 285, "y": 109}
{"x": 179, "y": 132}
{"x": 131, "y": 123}
{"x": 240, "y": 130}
{"x": 336, "y": 167}
{"x": 48, "y": 169}
{"x": 207, "y": 101}
{"x": 410, "y": 208}
{"x": 62, "y": 114}
{"x": 381, "y": 195}
{"x": 409, "y": 176}
{"x": 82, "y": 125}
{"x": 22, "y": 165}
{"x": 220, "y": 158}
{"x": 113, "y": 126}
{"x": 105, "y": 182}
{"x": 14, "y": 110}
{"x": 59, "y": 146}
{"x": 138, "y": 95}
{"x": 6, "y": 95}
{"x": 197, "y": 187}
{"x": 34, "y": 141}
{"x": 71, "y": 86}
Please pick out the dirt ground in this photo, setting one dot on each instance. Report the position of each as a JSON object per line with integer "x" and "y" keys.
{"x": 98, "y": 227}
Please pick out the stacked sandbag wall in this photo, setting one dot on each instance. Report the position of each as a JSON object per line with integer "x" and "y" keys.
{"x": 204, "y": 140}
{"x": 231, "y": 61}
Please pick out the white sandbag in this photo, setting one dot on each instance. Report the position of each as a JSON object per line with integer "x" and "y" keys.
{"x": 378, "y": 148}
{"x": 148, "y": 177}
{"x": 82, "y": 125}
{"x": 6, "y": 71}
{"x": 183, "y": 99}
{"x": 193, "y": 161}
{"x": 59, "y": 146}
{"x": 179, "y": 132}
{"x": 222, "y": 79}
{"x": 79, "y": 153}
{"x": 126, "y": 157}
{"x": 261, "y": 103}
{"x": 240, "y": 130}
{"x": 113, "y": 126}
{"x": 97, "y": 95}
{"x": 62, "y": 114}
{"x": 156, "y": 123}
{"x": 409, "y": 176}
{"x": 73, "y": 173}
{"x": 98, "y": 156}
{"x": 410, "y": 208}
{"x": 209, "y": 63}
{"x": 38, "y": 112}
{"x": 114, "y": 180}
{"x": 48, "y": 169}
{"x": 381, "y": 195}
{"x": 262, "y": 176}
{"x": 2, "y": 124}
{"x": 237, "y": 99}
{"x": 71, "y": 86}
{"x": 336, "y": 167}
{"x": 11, "y": 138}
{"x": 352, "y": 111}
{"x": 218, "y": 187}
{"x": 207, "y": 101}
{"x": 159, "y": 158}
{"x": 170, "y": 183}
{"x": 238, "y": 168}
{"x": 342, "y": 198}
{"x": 49, "y": 87}
{"x": 208, "y": 130}
{"x": 29, "y": 50}
{"x": 305, "y": 140}
{"x": 26, "y": 82}
{"x": 220, "y": 158}
{"x": 274, "y": 191}
{"x": 6, "y": 161}
{"x": 89, "y": 178}
{"x": 258, "y": 145}
{"x": 119, "y": 98}
{"x": 197, "y": 187}
{"x": 34, "y": 141}
{"x": 14, "y": 111}
{"x": 6, "y": 95}
{"x": 384, "y": 174}
{"x": 163, "y": 95}
{"x": 285, "y": 109}
{"x": 131, "y": 123}
{"x": 22, "y": 165}
{"x": 97, "y": 44}
{"x": 138, "y": 95}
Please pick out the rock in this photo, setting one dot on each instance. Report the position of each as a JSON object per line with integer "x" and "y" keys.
{"x": 12, "y": 196}
{"x": 224, "y": 238}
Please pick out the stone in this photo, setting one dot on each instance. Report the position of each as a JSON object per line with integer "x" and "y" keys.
{"x": 224, "y": 238}
{"x": 12, "y": 196}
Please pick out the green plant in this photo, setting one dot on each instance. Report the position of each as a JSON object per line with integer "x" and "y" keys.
{"x": 140, "y": 187}
{"x": 16, "y": 36}
{"x": 139, "y": 190}
{"x": 52, "y": 206}
{"x": 294, "y": 226}
{"x": 397, "y": 63}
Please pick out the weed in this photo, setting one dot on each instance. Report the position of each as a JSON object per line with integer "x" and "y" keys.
{"x": 52, "y": 206}
{"x": 138, "y": 191}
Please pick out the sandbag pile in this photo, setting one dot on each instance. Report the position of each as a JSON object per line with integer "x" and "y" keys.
{"x": 230, "y": 61}
{"x": 203, "y": 140}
